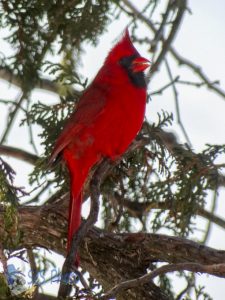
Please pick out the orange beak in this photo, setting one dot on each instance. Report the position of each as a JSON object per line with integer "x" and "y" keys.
{"x": 139, "y": 64}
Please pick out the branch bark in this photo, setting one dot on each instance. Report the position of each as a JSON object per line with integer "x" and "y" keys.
{"x": 19, "y": 154}
{"x": 45, "y": 84}
{"x": 217, "y": 270}
{"x": 111, "y": 258}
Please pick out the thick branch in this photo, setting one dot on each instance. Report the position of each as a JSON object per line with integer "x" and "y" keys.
{"x": 111, "y": 258}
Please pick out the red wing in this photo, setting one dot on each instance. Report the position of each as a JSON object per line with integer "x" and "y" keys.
{"x": 90, "y": 106}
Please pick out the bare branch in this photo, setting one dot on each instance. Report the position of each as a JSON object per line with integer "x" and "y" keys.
{"x": 160, "y": 31}
{"x": 198, "y": 71}
{"x": 12, "y": 116}
{"x": 216, "y": 270}
{"x": 175, "y": 92}
{"x": 181, "y": 60}
{"x": 162, "y": 89}
{"x": 138, "y": 209}
{"x": 19, "y": 154}
{"x": 212, "y": 217}
{"x": 45, "y": 84}
{"x": 181, "y": 6}
{"x": 212, "y": 212}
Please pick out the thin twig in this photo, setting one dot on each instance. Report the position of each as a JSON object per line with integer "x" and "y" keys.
{"x": 7, "y": 102}
{"x": 212, "y": 217}
{"x": 18, "y": 103}
{"x": 181, "y": 6}
{"x": 137, "y": 209}
{"x": 180, "y": 59}
{"x": 179, "y": 121}
{"x": 19, "y": 154}
{"x": 35, "y": 199}
{"x": 196, "y": 84}
{"x": 198, "y": 71}
{"x": 188, "y": 288}
{"x": 159, "y": 32}
{"x": 212, "y": 211}
{"x": 30, "y": 131}
{"x": 215, "y": 269}
{"x": 162, "y": 89}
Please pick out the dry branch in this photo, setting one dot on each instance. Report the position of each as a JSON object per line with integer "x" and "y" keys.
{"x": 19, "y": 154}
{"x": 217, "y": 270}
{"x": 181, "y": 60}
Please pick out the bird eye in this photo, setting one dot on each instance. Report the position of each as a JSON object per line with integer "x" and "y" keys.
{"x": 124, "y": 61}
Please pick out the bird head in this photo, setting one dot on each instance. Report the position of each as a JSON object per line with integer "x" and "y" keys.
{"x": 125, "y": 56}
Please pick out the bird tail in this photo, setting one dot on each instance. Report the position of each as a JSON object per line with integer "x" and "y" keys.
{"x": 78, "y": 169}
{"x": 78, "y": 174}
{"x": 76, "y": 199}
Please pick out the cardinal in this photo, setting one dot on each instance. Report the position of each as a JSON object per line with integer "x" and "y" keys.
{"x": 105, "y": 121}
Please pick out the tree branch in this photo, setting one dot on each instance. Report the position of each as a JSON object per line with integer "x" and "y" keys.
{"x": 198, "y": 71}
{"x": 216, "y": 270}
{"x": 43, "y": 83}
{"x": 12, "y": 117}
{"x": 19, "y": 154}
{"x": 175, "y": 92}
{"x": 138, "y": 209}
{"x": 117, "y": 257}
{"x": 8, "y": 75}
{"x": 181, "y": 60}
{"x": 181, "y": 7}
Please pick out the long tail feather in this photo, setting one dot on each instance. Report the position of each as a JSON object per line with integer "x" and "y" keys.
{"x": 74, "y": 217}
{"x": 78, "y": 174}
{"x": 76, "y": 185}
{"x": 79, "y": 170}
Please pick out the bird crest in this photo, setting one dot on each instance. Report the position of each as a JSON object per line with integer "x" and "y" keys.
{"x": 124, "y": 47}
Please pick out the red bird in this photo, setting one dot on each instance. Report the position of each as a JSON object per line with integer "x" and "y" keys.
{"x": 107, "y": 118}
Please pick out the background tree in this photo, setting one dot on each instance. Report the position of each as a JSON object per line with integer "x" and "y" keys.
{"x": 162, "y": 184}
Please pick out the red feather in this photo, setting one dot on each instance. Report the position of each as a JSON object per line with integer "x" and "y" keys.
{"x": 106, "y": 120}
